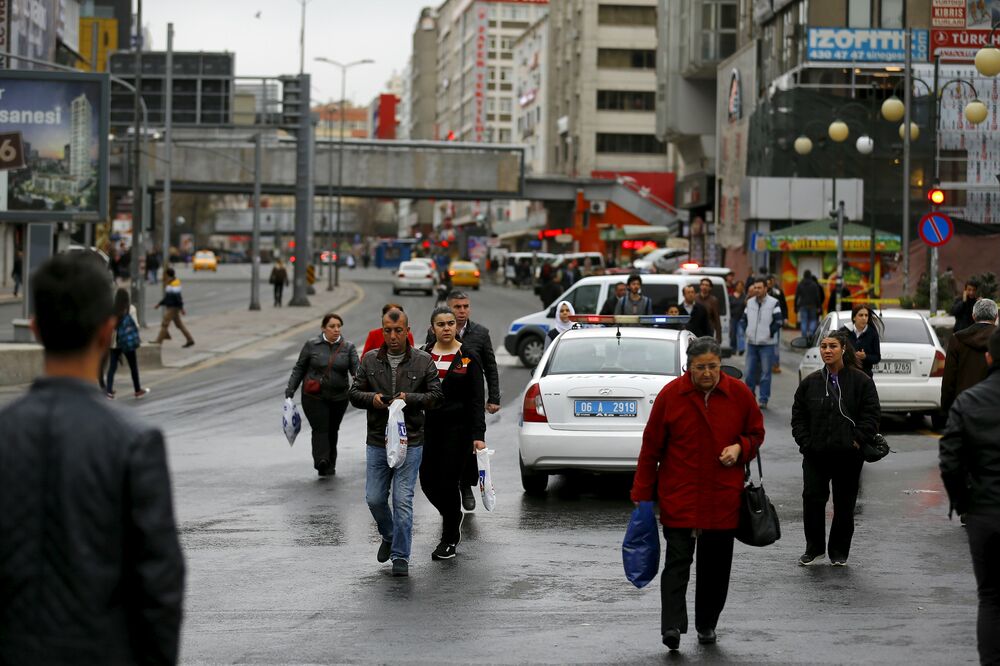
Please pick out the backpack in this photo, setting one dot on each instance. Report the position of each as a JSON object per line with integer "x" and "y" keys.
{"x": 128, "y": 334}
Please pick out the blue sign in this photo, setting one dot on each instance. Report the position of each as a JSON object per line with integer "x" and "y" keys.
{"x": 936, "y": 229}
{"x": 865, "y": 45}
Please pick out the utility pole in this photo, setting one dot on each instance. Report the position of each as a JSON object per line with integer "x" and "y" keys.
{"x": 340, "y": 171}
{"x": 840, "y": 252}
{"x": 907, "y": 96}
{"x": 303, "y": 193}
{"x": 88, "y": 228}
{"x": 255, "y": 242}
{"x": 138, "y": 281}
{"x": 168, "y": 149}
{"x": 329, "y": 198}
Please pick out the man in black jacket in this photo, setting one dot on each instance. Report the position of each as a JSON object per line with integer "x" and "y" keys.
{"x": 970, "y": 469}
{"x": 808, "y": 303}
{"x": 613, "y": 299}
{"x": 91, "y": 570}
{"x": 699, "y": 322}
{"x": 961, "y": 309}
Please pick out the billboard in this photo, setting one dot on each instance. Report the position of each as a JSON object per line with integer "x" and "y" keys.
{"x": 63, "y": 122}
{"x": 864, "y": 44}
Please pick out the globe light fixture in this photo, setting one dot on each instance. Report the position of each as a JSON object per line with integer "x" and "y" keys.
{"x": 865, "y": 145}
{"x": 988, "y": 61}
{"x": 838, "y": 131}
{"x": 893, "y": 109}
{"x": 976, "y": 112}
{"x": 914, "y": 131}
{"x": 803, "y": 145}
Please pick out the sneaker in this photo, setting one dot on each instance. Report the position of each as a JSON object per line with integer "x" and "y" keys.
{"x": 776, "y": 370}
{"x": 189, "y": 343}
{"x": 141, "y": 393}
{"x": 384, "y": 550}
{"x": 110, "y": 396}
{"x": 444, "y": 551}
{"x": 807, "y": 558}
{"x": 707, "y": 636}
{"x": 672, "y": 638}
{"x": 322, "y": 466}
{"x": 400, "y": 568}
{"x": 838, "y": 561}
{"x": 762, "y": 404}
{"x": 468, "y": 498}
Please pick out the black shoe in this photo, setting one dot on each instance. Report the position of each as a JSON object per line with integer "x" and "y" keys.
{"x": 400, "y": 568}
{"x": 672, "y": 638}
{"x": 384, "y": 550}
{"x": 838, "y": 560}
{"x": 189, "y": 343}
{"x": 444, "y": 551}
{"x": 322, "y": 466}
{"x": 808, "y": 558}
{"x": 706, "y": 637}
{"x": 468, "y": 499}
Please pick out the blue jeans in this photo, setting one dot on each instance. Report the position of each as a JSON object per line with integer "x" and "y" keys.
{"x": 808, "y": 320}
{"x": 737, "y": 336}
{"x": 395, "y": 525}
{"x": 760, "y": 358}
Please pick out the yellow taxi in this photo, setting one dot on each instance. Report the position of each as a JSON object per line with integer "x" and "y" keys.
{"x": 464, "y": 274}
{"x": 205, "y": 260}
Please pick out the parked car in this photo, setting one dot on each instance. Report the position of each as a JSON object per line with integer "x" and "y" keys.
{"x": 908, "y": 378}
{"x": 413, "y": 276}
{"x": 205, "y": 260}
{"x": 464, "y": 274}
{"x": 664, "y": 259}
{"x": 432, "y": 265}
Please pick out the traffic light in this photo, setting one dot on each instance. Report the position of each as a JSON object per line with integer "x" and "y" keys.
{"x": 294, "y": 100}
{"x": 935, "y": 195}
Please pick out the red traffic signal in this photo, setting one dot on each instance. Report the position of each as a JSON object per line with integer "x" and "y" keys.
{"x": 936, "y": 196}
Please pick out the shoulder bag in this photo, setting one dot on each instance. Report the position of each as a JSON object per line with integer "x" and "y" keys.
{"x": 314, "y": 387}
{"x": 759, "y": 525}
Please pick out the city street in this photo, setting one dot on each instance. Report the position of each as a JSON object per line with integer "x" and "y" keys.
{"x": 281, "y": 564}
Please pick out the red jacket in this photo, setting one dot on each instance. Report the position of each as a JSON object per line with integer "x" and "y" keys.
{"x": 681, "y": 446}
{"x": 376, "y": 338}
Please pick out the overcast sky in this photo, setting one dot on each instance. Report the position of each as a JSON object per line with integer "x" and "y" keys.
{"x": 342, "y": 30}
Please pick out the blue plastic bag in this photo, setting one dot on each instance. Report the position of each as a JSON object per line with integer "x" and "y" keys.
{"x": 641, "y": 547}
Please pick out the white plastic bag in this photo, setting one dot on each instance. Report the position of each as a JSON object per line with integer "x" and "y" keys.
{"x": 291, "y": 420}
{"x": 486, "y": 479}
{"x": 395, "y": 434}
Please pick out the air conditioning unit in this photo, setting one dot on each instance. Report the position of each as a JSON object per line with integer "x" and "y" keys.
{"x": 598, "y": 207}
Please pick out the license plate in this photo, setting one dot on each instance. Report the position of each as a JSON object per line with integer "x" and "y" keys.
{"x": 606, "y": 408}
{"x": 892, "y": 368}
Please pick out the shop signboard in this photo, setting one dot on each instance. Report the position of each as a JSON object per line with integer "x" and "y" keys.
{"x": 777, "y": 243}
{"x": 865, "y": 45}
{"x": 961, "y": 45}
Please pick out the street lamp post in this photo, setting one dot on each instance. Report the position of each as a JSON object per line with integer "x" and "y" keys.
{"x": 340, "y": 158}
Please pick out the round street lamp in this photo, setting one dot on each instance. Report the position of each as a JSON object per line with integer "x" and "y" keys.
{"x": 893, "y": 109}
{"x": 838, "y": 131}
{"x": 803, "y": 145}
{"x": 914, "y": 131}
{"x": 865, "y": 145}
{"x": 988, "y": 61}
{"x": 976, "y": 111}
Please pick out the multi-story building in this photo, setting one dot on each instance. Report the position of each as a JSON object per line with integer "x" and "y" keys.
{"x": 355, "y": 121}
{"x": 81, "y": 115}
{"x": 531, "y": 84}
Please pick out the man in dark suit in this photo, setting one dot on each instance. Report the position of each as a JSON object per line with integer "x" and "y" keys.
{"x": 91, "y": 570}
{"x": 699, "y": 323}
{"x": 475, "y": 337}
{"x": 613, "y": 299}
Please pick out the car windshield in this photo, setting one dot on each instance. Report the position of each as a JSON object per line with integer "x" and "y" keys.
{"x": 906, "y": 330}
{"x": 646, "y": 356}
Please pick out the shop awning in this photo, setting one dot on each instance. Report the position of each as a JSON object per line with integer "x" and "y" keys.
{"x": 633, "y": 231}
{"x": 520, "y": 233}
{"x": 821, "y": 236}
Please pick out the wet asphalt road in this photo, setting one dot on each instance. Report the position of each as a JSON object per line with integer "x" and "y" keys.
{"x": 281, "y": 564}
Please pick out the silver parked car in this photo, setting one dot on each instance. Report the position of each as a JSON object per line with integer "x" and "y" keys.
{"x": 414, "y": 276}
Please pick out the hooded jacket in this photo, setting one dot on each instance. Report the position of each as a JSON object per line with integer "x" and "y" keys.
{"x": 970, "y": 448}
{"x": 965, "y": 364}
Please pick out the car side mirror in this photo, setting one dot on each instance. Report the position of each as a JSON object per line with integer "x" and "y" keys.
{"x": 733, "y": 371}
{"x": 801, "y": 343}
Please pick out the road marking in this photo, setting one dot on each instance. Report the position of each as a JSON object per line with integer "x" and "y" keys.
{"x": 507, "y": 361}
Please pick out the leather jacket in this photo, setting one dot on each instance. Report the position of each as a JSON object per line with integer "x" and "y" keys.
{"x": 313, "y": 361}
{"x": 970, "y": 448}
{"x": 91, "y": 570}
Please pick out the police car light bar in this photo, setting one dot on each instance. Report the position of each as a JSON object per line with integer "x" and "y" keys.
{"x": 634, "y": 320}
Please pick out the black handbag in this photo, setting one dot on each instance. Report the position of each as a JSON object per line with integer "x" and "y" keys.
{"x": 759, "y": 525}
{"x": 875, "y": 450}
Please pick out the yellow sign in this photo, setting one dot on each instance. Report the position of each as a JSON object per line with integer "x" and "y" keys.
{"x": 311, "y": 274}
{"x": 822, "y": 244}
{"x": 107, "y": 41}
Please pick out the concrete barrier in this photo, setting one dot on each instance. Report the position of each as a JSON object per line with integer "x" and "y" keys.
{"x": 21, "y": 363}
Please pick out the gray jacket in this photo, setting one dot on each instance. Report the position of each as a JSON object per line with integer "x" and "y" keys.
{"x": 312, "y": 364}
{"x": 763, "y": 321}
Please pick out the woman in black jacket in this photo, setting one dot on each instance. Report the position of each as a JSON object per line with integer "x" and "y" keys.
{"x": 866, "y": 336}
{"x": 322, "y": 368}
{"x": 836, "y": 409}
{"x": 453, "y": 430}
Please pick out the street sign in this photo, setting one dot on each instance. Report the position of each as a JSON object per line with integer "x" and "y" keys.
{"x": 311, "y": 274}
{"x": 11, "y": 151}
{"x": 936, "y": 229}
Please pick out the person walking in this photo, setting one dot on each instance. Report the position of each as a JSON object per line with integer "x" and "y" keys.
{"x": 91, "y": 568}
{"x": 396, "y": 371}
{"x": 965, "y": 363}
{"x": 124, "y": 342}
{"x": 375, "y": 338}
{"x": 866, "y": 336}
{"x": 564, "y": 310}
{"x": 173, "y": 308}
{"x": 703, "y": 428}
{"x": 762, "y": 321}
{"x": 835, "y": 411}
{"x": 969, "y": 458}
{"x": 961, "y": 309}
{"x": 699, "y": 322}
{"x": 456, "y": 428}
{"x": 737, "y": 332}
{"x": 17, "y": 273}
{"x": 152, "y": 266}
{"x": 774, "y": 291}
{"x": 611, "y": 302}
{"x": 711, "y": 304}
{"x": 808, "y": 304}
{"x": 279, "y": 280}
{"x": 634, "y": 303}
{"x": 324, "y": 368}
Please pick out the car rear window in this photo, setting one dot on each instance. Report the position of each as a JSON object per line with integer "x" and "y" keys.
{"x": 413, "y": 266}
{"x": 912, "y": 331}
{"x": 646, "y": 356}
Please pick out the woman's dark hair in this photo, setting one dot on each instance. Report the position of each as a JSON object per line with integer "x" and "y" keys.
{"x": 122, "y": 301}
{"x": 873, "y": 319}
{"x": 850, "y": 356}
{"x": 332, "y": 315}
{"x": 440, "y": 310}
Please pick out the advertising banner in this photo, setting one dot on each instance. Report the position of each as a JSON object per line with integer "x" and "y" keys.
{"x": 960, "y": 45}
{"x": 865, "y": 45}
{"x": 63, "y": 122}
{"x": 948, "y": 14}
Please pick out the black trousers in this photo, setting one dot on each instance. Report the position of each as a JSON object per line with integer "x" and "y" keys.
{"x": 984, "y": 542}
{"x": 278, "y": 289}
{"x": 715, "y": 560}
{"x": 133, "y": 364}
{"x": 446, "y": 454}
{"x": 470, "y": 470}
{"x": 819, "y": 473}
{"x": 324, "y": 418}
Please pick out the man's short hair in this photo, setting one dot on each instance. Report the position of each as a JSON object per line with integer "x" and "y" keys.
{"x": 392, "y": 306}
{"x": 633, "y": 277}
{"x": 993, "y": 346}
{"x": 756, "y": 280}
{"x": 170, "y": 272}
{"x": 395, "y": 315}
{"x": 620, "y": 284}
{"x": 703, "y": 345}
{"x": 457, "y": 295}
{"x": 985, "y": 310}
{"x": 704, "y": 280}
{"x": 972, "y": 283}
{"x": 72, "y": 297}
{"x": 688, "y": 286}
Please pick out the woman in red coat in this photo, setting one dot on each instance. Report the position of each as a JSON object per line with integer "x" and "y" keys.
{"x": 704, "y": 427}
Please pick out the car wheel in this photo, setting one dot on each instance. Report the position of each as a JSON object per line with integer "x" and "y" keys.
{"x": 938, "y": 420}
{"x": 530, "y": 350}
{"x": 534, "y": 483}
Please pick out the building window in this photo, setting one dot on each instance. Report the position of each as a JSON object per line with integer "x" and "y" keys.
{"x": 645, "y": 144}
{"x": 626, "y": 15}
{"x": 859, "y": 13}
{"x": 891, "y": 14}
{"x": 719, "y": 19}
{"x": 626, "y": 59}
{"x": 625, "y": 100}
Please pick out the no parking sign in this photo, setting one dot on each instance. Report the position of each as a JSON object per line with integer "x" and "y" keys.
{"x": 936, "y": 229}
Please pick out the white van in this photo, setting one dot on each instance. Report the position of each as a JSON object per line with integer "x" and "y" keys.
{"x": 530, "y": 260}
{"x": 526, "y": 336}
